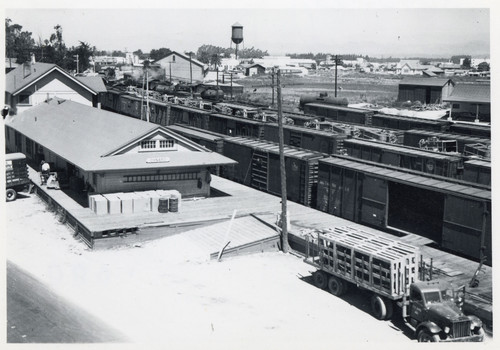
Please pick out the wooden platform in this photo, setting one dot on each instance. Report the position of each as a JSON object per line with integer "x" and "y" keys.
{"x": 201, "y": 218}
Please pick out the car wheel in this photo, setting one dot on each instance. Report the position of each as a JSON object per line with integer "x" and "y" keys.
{"x": 11, "y": 195}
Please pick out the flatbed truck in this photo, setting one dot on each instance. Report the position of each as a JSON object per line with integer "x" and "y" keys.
{"x": 16, "y": 175}
{"x": 345, "y": 257}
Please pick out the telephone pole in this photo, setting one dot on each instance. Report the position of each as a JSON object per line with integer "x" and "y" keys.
{"x": 77, "y": 63}
{"x": 284, "y": 218}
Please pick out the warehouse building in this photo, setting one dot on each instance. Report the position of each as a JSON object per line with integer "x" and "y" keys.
{"x": 470, "y": 101}
{"x": 108, "y": 152}
{"x": 180, "y": 67}
{"x": 33, "y": 83}
{"x": 425, "y": 90}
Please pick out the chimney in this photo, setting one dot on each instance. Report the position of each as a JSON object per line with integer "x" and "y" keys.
{"x": 33, "y": 60}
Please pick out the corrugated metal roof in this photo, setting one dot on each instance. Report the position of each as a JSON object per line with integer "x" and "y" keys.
{"x": 416, "y": 180}
{"x": 399, "y": 149}
{"x": 19, "y": 79}
{"x": 478, "y": 93}
{"x": 272, "y": 147}
{"x": 425, "y": 82}
{"x": 83, "y": 135}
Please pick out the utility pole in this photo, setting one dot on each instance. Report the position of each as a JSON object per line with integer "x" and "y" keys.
{"x": 284, "y": 218}
{"x": 191, "y": 73}
{"x": 272, "y": 87}
{"x": 231, "y": 86}
{"x": 336, "y": 62}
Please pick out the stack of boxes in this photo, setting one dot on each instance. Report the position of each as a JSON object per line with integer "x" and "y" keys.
{"x": 135, "y": 202}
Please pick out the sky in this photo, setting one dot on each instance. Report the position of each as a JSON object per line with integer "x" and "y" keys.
{"x": 381, "y": 32}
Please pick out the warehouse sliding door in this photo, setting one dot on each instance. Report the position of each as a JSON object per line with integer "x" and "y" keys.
{"x": 416, "y": 210}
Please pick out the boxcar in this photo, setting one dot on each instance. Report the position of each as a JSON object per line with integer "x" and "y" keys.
{"x": 339, "y": 113}
{"x": 477, "y": 130}
{"x": 478, "y": 171}
{"x": 210, "y": 140}
{"x": 413, "y": 138}
{"x": 406, "y": 157}
{"x": 234, "y": 126}
{"x": 387, "y": 121}
{"x": 189, "y": 115}
{"x": 453, "y": 214}
{"x": 323, "y": 141}
{"x": 259, "y": 167}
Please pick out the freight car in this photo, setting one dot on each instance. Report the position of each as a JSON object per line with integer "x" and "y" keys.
{"x": 406, "y": 157}
{"x": 259, "y": 167}
{"x": 478, "y": 171}
{"x": 339, "y": 113}
{"x": 370, "y": 118}
{"x": 323, "y": 141}
{"x": 476, "y": 130}
{"x": 421, "y": 138}
{"x": 210, "y": 140}
{"x": 396, "y": 122}
{"x": 456, "y": 215}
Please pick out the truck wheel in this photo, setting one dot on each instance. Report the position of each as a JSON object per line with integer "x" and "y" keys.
{"x": 11, "y": 195}
{"x": 389, "y": 307}
{"x": 320, "y": 279}
{"x": 425, "y": 337}
{"x": 378, "y": 307}
{"x": 336, "y": 286}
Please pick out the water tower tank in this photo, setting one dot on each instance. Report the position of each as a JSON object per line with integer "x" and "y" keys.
{"x": 237, "y": 33}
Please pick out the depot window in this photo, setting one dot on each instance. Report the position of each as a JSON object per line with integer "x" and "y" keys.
{"x": 157, "y": 145}
{"x": 161, "y": 177}
{"x": 24, "y": 99}
{"x": 456, "y": 105}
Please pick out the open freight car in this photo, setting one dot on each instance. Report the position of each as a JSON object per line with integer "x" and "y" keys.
{"x": 452, "y": 213}
{"x": 259, "y": 167}
{"x": 419, "y": 138}
{"x": 406, "y": 157}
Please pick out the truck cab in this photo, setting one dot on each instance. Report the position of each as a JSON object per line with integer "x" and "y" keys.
{"x": 434, "y": 311}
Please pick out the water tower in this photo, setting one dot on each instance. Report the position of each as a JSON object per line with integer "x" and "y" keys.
{"x": 237, "y": 35}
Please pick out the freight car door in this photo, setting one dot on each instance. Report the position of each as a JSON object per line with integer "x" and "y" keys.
{"x": 373, "y": 201}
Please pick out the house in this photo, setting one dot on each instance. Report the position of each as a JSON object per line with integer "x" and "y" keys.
{"x": 413, "y": 67}
{"x": 425, "y": 90}
{"x": 111, "y": 152}
{"x": 33, "y": 83}
{"x": 254, "y": 69}
{"x": 470, "y": 101}
{"x": 180, "y": 67}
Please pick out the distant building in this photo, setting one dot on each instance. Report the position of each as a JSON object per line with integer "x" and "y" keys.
{"x": 110, "y": 152}
{"x": 413, "y": 67}
{"x": 179, "y": 67}
{"x": 425, "y": 90}
{"x": 470, "y": 101}
{"x": 254, "y": 69}
{"x": 33, "y": 83}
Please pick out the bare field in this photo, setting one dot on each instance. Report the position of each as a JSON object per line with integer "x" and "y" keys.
{"x": 356, "y": 87}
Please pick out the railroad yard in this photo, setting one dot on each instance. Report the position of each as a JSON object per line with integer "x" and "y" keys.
{"x": 291, "y": 203}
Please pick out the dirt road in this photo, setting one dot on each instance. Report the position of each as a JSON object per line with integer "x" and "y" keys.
{"x": 167, "y": 291}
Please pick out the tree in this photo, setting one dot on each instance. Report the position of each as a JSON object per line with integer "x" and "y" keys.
{"x": 483, "y": 67}
{"x": 156, "y": 55}
{"x": 466, "y": 63}
{"x": 84, "y": 52}
{"x": 18, "y": 44}
{"x": 215, "y": 60}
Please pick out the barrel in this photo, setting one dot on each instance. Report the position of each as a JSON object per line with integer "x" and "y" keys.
{"x": 163, "y": 205}
{"x": 173, "y": 204}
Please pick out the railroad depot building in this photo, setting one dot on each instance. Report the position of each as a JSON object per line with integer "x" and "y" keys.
{"x": 425, "y": 90}
{"x": 108, "y": 152}
{"x": 33, "y": 83}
